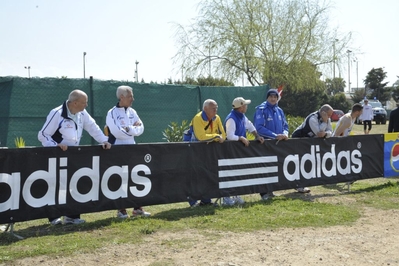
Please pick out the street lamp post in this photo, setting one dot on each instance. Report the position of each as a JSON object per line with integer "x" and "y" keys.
{"x": 210, "y": 64}
{"x": 349, "y": 70}
{"x": 136, "y": 73}
{"x": 357, "y": 72}
{"x": 84, "y": 66}
{"x": 336, "y": 40}
{"x": 28, "y": 68}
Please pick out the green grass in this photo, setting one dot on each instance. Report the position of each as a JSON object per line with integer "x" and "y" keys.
{"x": 327, "y": 205}
{"x": 375, "y": 129}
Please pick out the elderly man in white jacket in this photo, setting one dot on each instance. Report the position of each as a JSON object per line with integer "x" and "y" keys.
{"x": 64, "y": 127}
{"x": 123, "y": 124}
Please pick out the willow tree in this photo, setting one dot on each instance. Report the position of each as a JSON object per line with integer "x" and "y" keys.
{"x": 266, "y": 41}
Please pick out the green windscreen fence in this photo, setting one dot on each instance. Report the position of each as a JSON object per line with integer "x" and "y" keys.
{"x": 25, "y": 104}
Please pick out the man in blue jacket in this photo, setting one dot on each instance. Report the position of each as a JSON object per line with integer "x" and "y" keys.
{"x": 270, "y": 123}
{"x": 237, "y": 125}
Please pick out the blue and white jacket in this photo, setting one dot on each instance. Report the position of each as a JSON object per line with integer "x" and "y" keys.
{"x": 269, "y": 120}
{"x": 120, "y": 122}
{"x": 60, "y": 128}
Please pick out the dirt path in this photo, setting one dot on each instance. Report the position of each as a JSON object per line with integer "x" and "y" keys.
{"x": 372, "y": 240}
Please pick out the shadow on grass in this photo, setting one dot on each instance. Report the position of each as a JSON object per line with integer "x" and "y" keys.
{"x": 54, "y": 230}
{"x": 58, "y": 230}
{"x": 182, "y": 213}
{"x": 189, "y": 212}
{"x": 341, "y": 187}
{"x": 178, "y": 214}
{"x": 308, "y": 196}
{"x": 376, "y": 188}
{"x": 354, "y": 188}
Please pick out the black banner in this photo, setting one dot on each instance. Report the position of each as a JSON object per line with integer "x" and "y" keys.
{"x": 47, "y": 182}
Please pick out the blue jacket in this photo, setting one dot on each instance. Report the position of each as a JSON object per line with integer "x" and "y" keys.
{"x": 269, "y": 120}
{"x": 239, "y": 120}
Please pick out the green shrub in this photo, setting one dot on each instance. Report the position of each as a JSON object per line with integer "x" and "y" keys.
{"x": 174, "y": 132}
{"x": 293, "y": 123}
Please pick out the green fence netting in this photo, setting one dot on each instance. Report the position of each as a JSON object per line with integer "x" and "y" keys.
{"x": 25, "y": 103}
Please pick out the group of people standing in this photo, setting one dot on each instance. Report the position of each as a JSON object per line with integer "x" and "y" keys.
{"x": 64, "y": 126}
{"x": 269, "y": 123}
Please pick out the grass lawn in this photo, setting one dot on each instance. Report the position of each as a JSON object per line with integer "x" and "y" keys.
{"x": 327, "y": 205}
{"x": 376, "y": 129}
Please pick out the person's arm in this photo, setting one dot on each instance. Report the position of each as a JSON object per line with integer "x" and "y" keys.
{"x": 138, "y": 127}
{"x": 260, "y": 127}
{"x": 200, "y": 133}
{"x": 93, "y": 129}
{"x": 231, "y": 129}
{"x": 222, "y": 132}
{"x": 285, "y": 124}
{"x": 371, "y": 114}
{"x": 48, "y": 129}
{"x": 251, "y": 128}
{"x": 328, "y": 129}
{"x": 343, "y": 125}
{"x": 118, "y": 131}
{"x": 314, "y": 124}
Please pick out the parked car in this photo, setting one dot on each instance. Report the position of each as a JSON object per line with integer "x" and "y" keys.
{"x": 337, "y": 115}
{"x": 380, "y": 114}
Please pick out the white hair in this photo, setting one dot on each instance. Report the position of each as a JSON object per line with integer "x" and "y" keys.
{"x": 209, "y": 102}
{"x": 123, "y": 90}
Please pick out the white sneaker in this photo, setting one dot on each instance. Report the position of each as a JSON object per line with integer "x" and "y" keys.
{"x": 303, "y": 190}
{"x": 68, "y": 220}
{"x": 238, "y": 200}
{"x": 122, "y": 214}
{"x": 140, "y": 212}
{"x": 56, "y": 221}
{"x": 227, "y": 201}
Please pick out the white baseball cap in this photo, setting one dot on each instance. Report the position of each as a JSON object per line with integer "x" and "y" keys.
{"x": 239, "y": 101}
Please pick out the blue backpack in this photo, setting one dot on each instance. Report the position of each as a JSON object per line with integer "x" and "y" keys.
{"x": 188, "y": 133}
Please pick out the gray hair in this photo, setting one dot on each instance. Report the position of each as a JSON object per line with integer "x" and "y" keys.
{"x": 325, "y": 108}
{"x": 76, "y": 95}
{"x": 208, "y": 102}
{"x": 123, "y": 90}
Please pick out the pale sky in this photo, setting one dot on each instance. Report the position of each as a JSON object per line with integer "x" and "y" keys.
{"x": 51, "y": 36}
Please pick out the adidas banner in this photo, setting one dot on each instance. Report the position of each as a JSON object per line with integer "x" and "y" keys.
{"x": 47, "y": 182}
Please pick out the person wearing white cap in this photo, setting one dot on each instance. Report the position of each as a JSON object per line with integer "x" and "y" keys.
{"x": 367, "y": 116}
{"x": 270, "y": 122}
{"x": 236, "y": 125}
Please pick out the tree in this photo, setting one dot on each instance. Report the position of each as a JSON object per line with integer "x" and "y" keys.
{"x": 339, "y": 101}
{"x": 302, "y": 102}
{"x": 271, "y": 42}
{"x": 358, "y": 95}
{"x": 335, "y": 85}
{"x": 202, "y": 81}
{"x": 375, "y": 85}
